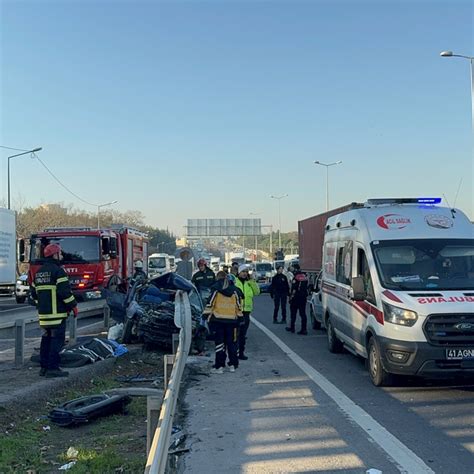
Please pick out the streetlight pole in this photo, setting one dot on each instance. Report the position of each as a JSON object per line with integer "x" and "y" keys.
{"x": 8, "y": 166}
{"x": 256, "y": 237}
{"x": 279, "y": 216}
{"x": 98, "y": 211}
{"x": 327, "y": 165}
{"x": 450, "y": 54}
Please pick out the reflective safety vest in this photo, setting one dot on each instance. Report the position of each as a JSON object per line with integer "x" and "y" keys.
{"x": 52, "y": 294}
{"x": 225, "y": 308}
{"x": 250, "y": 289}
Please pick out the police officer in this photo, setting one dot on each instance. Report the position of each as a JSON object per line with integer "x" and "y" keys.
{"x": 279, "y": 290}
{"x": 52, "y": 295}
{"x": 298, "y": 297}
{"x": 203, "y": 279}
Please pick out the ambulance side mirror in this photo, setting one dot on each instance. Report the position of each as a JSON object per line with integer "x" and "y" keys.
{"x": 358, "y": 290}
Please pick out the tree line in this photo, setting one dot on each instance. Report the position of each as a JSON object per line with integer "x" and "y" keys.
{"x": 31, "y": 220}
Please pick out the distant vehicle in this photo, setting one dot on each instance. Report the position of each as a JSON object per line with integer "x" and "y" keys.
{"x": 93, "y": 258}
{"x": 172, "y": 263}
{"x": 158, "y": 263}
{"x": 398, "y": 287}
{"x": 22, "y": 288}
{"x": 263, "y": 272}
{"x": 234, "y": 257}
{"x": 215, "y": 264}
{"x": 8, "y": 251}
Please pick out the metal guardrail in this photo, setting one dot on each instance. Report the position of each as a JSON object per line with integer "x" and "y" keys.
{"x": 158, "y": 455}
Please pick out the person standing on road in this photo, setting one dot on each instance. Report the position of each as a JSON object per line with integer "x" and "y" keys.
{"x": 298, "y": 296}
{"x": 51, "y": 292}
{"x": 249, "y": 288}
{"x": 234, "y": 269}
{"x": 203, "y": 279}
{"x": 139, "y": 273}
{"x": 279, "y": 290}
{"x": 224, "y": 312}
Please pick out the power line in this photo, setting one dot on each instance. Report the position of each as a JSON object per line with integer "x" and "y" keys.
{"x": 14, "y": 149}
{"x": 61, "y": 184}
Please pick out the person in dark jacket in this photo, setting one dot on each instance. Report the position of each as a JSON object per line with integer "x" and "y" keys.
{"x": 279, "y": 290}
{"x": 51, "y": 292}
{"x": 298, "y": 296}
{"x": 203, "y": 279}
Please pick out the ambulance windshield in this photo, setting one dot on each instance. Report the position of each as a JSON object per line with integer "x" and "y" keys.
{"x": 425, "y": 264}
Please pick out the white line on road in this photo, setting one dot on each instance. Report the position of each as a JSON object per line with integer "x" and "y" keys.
{"x": 405, "y": 459}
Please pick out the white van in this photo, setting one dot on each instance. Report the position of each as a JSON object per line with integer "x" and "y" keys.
{"x": 158, "y": 263}
{"x": 398, "y": 287}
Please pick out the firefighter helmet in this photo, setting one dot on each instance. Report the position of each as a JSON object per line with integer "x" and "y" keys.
{"x": 51, "y": 249}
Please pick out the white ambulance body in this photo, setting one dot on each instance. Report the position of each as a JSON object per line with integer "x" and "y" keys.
{"x": 398, "y": 287}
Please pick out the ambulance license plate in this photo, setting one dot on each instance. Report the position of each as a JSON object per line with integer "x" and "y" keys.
{"x": 459, "y": 354}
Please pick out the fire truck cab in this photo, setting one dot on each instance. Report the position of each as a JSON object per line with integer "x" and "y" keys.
{"x": 93, "y": 258}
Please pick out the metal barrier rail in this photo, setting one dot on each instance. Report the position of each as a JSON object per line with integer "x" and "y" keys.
{"x": 19, "y": 328}
{"x": 158, "y": 455}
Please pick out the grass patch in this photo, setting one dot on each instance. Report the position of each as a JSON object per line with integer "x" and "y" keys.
{"x": 16, "y": 448}
{"x": 113, "y": 444}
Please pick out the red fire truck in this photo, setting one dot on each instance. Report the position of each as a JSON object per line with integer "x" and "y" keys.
{"x": 93, "y": 258}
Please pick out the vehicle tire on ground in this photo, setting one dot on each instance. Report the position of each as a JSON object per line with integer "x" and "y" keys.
{"x": 315, "y": 324}
{"x": 20, "y": 299}
{"x": 334, "y": 344}
{"x": 379, "y": 376}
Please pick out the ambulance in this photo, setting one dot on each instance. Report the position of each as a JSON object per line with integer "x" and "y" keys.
{"x": 397, "y": 287}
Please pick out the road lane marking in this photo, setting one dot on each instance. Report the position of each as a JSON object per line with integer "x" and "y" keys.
{"x": 405, "y": 459}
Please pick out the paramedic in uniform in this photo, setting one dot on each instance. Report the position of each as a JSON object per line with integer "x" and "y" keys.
{"x": 53, "y": 298}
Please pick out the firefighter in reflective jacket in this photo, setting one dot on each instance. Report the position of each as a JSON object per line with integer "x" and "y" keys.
{"x": 52, "y": 295}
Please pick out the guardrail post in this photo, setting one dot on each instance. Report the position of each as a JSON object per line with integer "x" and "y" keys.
{"x": 153, "y": 406}
{"x": 19, "y": 342}
{"x": 106, "y": 316}
{"x": 175, "y": 343}
{"x": 169, "y": 361}
{"x": 72, "y": 329}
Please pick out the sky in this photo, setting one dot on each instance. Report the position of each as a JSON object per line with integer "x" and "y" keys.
{"x": 203, "y": 109}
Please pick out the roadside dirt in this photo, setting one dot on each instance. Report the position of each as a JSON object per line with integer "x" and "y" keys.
{"x": 116, "y": 444}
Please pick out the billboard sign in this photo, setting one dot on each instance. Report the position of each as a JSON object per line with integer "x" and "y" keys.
{"x": 202, "y": 228}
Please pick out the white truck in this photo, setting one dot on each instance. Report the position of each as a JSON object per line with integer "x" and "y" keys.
{"x": 397, "y": 287}
{"x": 159, "y": 263}
{"x": 7, "y": 251}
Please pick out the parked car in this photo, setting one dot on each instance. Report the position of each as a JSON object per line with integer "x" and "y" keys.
{"x": 22, "y": 288}
{"x": 316, "y": 305}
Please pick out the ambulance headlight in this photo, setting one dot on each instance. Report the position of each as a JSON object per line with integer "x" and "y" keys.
{"x": 395, "y": 315}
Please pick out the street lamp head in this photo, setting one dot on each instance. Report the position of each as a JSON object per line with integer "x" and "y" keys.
{"x": 446, "y": 54}
{"x": 317, "y": 162}
{"x": 36, "y": 149}
{"x": 338, "y": 162}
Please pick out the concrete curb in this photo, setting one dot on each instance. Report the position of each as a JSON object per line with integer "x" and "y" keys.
{"x": 44, "y": 389}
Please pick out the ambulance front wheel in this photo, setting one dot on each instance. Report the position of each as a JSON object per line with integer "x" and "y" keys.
{"x": 378, "y": 374}
{"x": 334, "y": 344}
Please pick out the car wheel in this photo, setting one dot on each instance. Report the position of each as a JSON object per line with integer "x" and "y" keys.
{"x": 334, "y": 344}
{"x": 378, "y": 374}
{"x": 20, "y": 299}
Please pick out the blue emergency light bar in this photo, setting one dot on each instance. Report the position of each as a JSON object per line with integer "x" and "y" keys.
{"x": 429, "y": 200}
{"x": 379, "y": 201}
